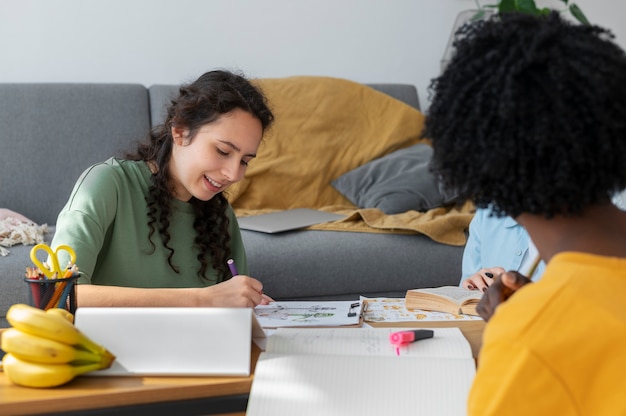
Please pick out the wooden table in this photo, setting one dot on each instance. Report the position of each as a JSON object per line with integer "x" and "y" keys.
{"x": 107, "y": 395}
{"x": 87, "y": 395}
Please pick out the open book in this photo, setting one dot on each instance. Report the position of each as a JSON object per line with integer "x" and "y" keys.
{"x": 451, "y": 299}
{"x": 382, "y": 311}
{"x": 355, "y": 371}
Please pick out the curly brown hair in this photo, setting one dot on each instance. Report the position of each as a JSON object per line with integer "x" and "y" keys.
{"x": 199, "y": 103}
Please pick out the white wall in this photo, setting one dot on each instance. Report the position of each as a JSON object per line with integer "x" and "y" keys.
{"x": 174, "y": 41}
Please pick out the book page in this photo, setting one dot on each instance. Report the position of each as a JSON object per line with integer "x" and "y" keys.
{"x": 379, "y": 310}
{"x": 446, "y": 342}
{"x": 288, "y": 385}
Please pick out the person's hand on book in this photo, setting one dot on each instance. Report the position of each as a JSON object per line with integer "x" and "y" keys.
{"x": 503, "y": 287}
{"x": 482, "y": 279}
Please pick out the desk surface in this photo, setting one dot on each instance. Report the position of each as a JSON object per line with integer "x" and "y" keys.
{"x": 86, "y": 392}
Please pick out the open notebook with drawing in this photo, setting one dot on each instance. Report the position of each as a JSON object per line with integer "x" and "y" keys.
{"x": 291, "y": 219}
{"x": 327, "y": 313}
{"x": 173, "y": 341}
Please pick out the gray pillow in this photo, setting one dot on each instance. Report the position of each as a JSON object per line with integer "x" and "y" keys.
{"x": 395, "y": 183}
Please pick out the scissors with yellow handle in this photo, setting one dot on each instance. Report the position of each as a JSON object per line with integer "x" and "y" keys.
{"x": 52, "y": 266}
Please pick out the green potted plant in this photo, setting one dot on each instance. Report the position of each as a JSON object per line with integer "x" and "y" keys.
{"x": 529, "y": 7}
{"x": 507, "y": 6}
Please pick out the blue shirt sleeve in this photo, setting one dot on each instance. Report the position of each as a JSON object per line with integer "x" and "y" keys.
{"x": 494, "y": 242}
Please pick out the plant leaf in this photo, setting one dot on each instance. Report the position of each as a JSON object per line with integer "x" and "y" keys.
{"x": 545, "y": 11}
{"x": 478, "y": 16}
{"x": 527, "y": 6}
{"x": 506, "y": 6}
{"x": 578, "y": 14}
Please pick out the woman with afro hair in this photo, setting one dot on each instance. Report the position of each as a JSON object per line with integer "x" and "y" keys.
{"x": 529, "y": 118}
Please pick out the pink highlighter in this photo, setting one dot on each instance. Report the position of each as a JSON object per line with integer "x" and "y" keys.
{"x": 402, "y": 338}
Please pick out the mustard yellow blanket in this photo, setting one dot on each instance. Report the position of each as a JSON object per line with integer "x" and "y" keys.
{"x": 325, "y": 127}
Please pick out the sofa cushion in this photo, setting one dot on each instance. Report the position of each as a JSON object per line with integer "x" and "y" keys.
{"x": 311, "y": 264}
{"x": 398, "y": 182}
{"x": 52, "y": 132}
{"x": 324, "y": 128}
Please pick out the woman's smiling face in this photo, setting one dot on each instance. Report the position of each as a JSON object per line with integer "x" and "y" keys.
{"x": 216, "y": 157}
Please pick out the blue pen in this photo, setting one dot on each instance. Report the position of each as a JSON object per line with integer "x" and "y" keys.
{"x": 232, "y": 267}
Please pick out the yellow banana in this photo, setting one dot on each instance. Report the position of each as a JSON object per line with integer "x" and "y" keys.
{"x": 29, "y": 374}
{"x": 30, "y": 347}
{"x": 48, "y": 325}
{"x": 64, "y": 313}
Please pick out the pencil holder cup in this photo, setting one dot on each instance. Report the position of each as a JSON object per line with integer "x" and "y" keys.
{"x": 53, "y": 293}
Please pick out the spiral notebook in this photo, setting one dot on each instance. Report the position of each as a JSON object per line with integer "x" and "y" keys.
{"x": 290, "y": 219}
{"x": 172, "y": 341}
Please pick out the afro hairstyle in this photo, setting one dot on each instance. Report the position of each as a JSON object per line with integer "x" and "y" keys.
{"x": 530, "y": 116}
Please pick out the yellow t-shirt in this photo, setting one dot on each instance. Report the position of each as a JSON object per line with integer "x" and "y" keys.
{"x": 558, "y": 347}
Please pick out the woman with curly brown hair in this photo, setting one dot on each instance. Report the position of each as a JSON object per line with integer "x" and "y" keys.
{"x": 154, "y": 228}
{"x": 529, "y": 118}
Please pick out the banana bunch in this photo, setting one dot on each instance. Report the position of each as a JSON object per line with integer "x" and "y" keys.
{"x": 45, "y": 349}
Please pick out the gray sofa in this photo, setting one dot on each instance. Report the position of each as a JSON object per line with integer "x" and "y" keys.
{"x": 51, "y": 132}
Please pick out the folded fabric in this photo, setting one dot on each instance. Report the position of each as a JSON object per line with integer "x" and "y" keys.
{"x": 398, "y": 182}
{"x": 17, "y": 229}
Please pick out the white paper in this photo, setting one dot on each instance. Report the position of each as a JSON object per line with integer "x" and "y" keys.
{"x": 446, "y": 342}
{"x": 308, "y": 313}
{"x": 353, "y": 371}
{"x": 286, "y": 385}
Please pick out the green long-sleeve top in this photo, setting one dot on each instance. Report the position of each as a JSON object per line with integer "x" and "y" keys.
{"x": 105, "y": 221}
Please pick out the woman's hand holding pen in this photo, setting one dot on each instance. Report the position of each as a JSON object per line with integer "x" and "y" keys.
{"x": 503, "y": 287}
{"x": 233, "y": 270}
{"x": 238, "y": 291}
{"x": 482, "y": 279}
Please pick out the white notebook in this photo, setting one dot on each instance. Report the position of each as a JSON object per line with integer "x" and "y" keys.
{"x": 355, "y": 371}
{"x": 291, "y": 219}
{"x": 172, "y": 341}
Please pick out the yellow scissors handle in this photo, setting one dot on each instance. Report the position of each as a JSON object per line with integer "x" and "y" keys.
{"x": 69, "y": 250}
{"x": 53, "y": 259}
